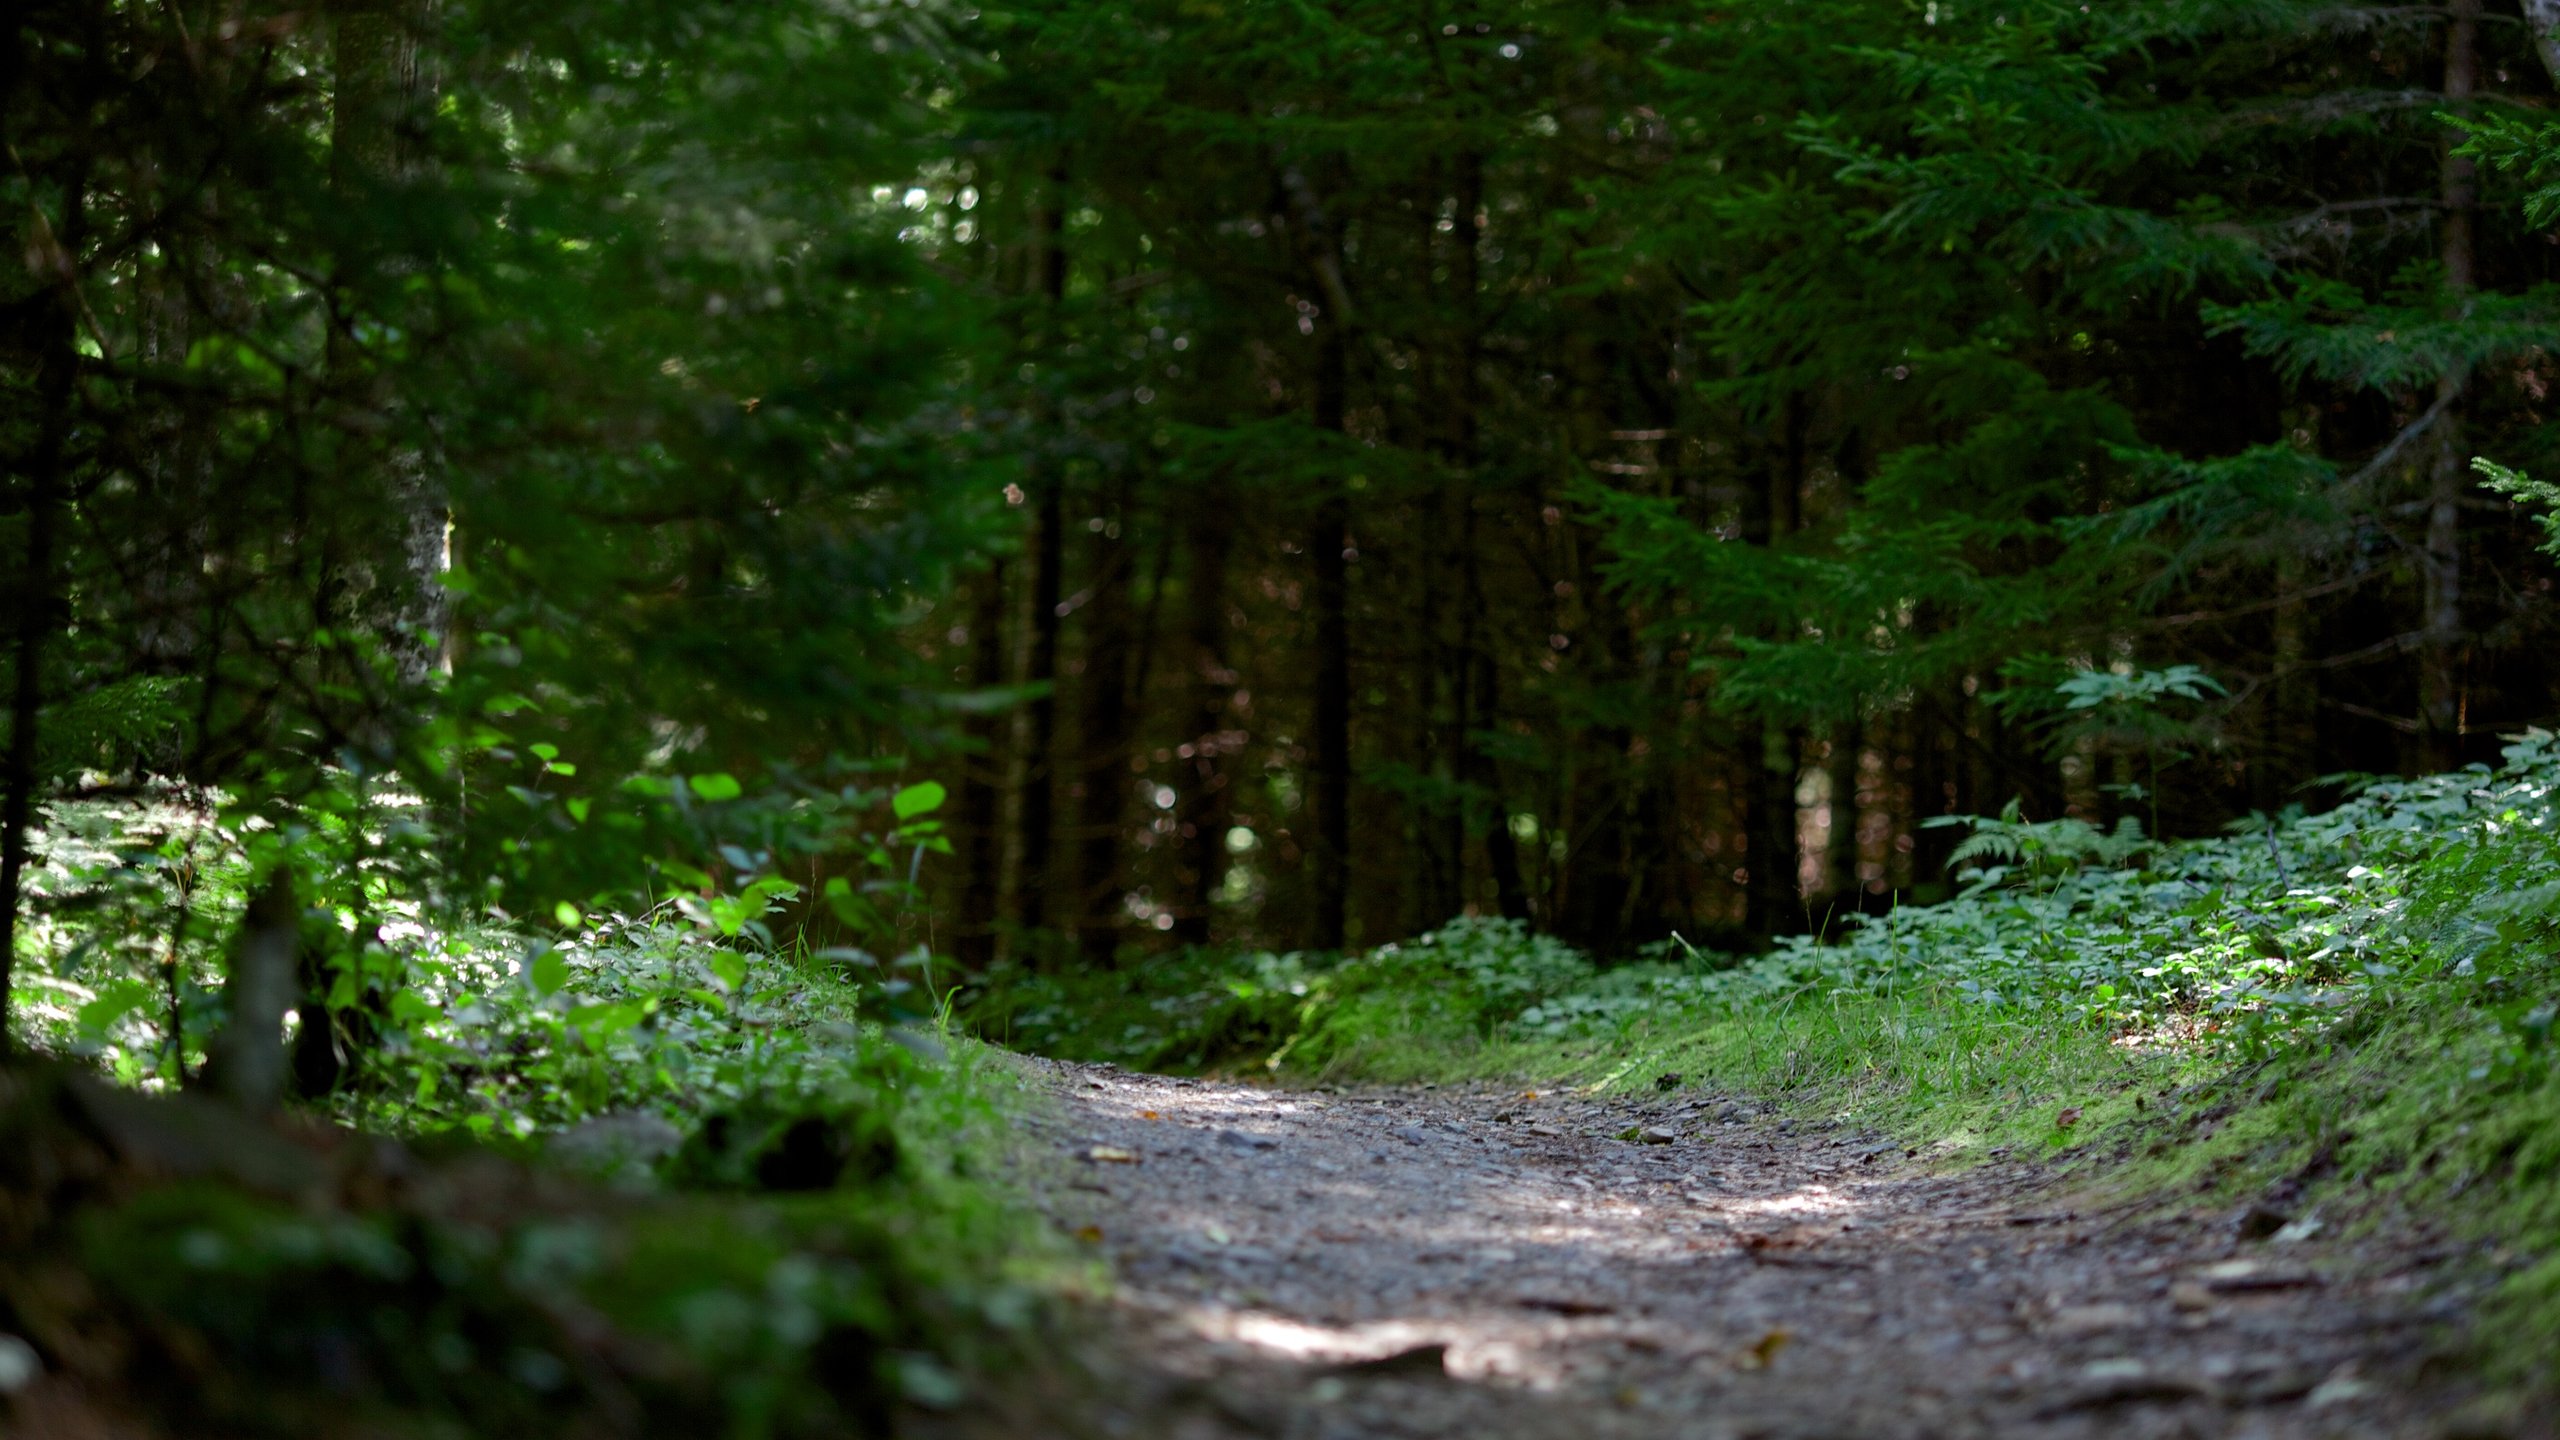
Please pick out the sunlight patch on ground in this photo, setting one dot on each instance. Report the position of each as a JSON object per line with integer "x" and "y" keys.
{"x": 1810, "y": 1202}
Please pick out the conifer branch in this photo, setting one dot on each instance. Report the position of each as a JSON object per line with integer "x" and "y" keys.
{"x": 2445, "y": 396}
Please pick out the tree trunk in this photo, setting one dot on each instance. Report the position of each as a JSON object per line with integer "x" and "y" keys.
{"x": 2542, "y": 17}
{"x": 1203, "y": 815}
{"x": 37, "y": 597}
{"x": 1484, "y": 780}
{"x": 1775, "y": 890}
{"x": 377, "y": 113}
{"x": 2293, "y": 747}
{"x": 1103, "y": 729}
{"x": 1840, "y": 849}
{"x": 1037, "y": 741}
{"x": 1453, "y": 403}
{"x": 979, "y": 817}
{"x": 1329, "y": 747}
{"x": 246, "y": 1062}
{"x": 2441, "y": 636}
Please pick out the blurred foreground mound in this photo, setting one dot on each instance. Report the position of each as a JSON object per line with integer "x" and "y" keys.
{"x": 171, "y": 1267}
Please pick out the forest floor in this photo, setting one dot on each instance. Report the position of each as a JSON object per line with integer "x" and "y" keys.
{"x": 1483, "y": 1261}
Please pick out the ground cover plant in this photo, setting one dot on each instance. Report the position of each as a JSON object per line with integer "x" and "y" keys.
{"x": 653, "y": 1171}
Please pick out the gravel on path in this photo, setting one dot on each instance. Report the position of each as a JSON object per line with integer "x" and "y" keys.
{"x": 1500, "y": 1265}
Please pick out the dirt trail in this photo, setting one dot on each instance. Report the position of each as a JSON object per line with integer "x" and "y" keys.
{"x": 1475, "y": 1262}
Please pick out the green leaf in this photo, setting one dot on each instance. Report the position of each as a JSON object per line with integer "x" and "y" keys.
{"x": 113, "y": 1003}
{"x": 917, "y": 800}
{"x": 717, "y": 786}
{"x": 548, "y": 973}
{"x": 731, "y": 969}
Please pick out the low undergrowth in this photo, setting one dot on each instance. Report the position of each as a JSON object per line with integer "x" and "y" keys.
{"x": 631, "y": 1173}
{"x": 2358, "y": 1003}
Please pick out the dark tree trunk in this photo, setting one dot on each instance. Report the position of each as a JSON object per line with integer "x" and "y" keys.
{"x": 1329, "y": 747}
{"x": 1450, "y": 402}
{"x": 1104, "y": 730}
{"x": 1775, "y": 890}
{"x": 1477, "y": 708}
{"x": 36, "y": 597}
{"x": 2294, "y": 736}
{"x": 979, "y": 817}
{"x": 1934, "y": 791}
{"x": 246, "y": 1062}
{"x": 1036, "y": 820}
{"x": 1840, "y": 857}
{"x": 378, "y": 110}
{"x": 2442, "y": 639}
{"x": 1204, "y": 799}
{"x": 1484, "y": 781}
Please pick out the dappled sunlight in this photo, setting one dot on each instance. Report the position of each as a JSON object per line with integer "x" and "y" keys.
{"x": 1468, "y": 1259}
{"x": 1338, "y": 1232}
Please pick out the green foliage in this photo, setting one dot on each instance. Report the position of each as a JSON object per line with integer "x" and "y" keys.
{"x": 679, "y": 1051}
{"x": 2025, "y": 851}
{"x": 2525, "y": 490}
{"x": 2242, "y": 947}
{"x": 1465, "y": 983}
{"x": 2527, "y": 146}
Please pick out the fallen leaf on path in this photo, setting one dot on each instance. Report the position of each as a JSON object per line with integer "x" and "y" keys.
{"x": 2298, "y": 1231}
{"x": 2108, "y": 1383}
{"x": 1149, "y": 1115}
{"x": 1089, "y": 1234}
{"x": 2342, "y": 1386}
{"x": 1764, "y": 1351}
{"x": 2238, "y": 1276}
{"x": 1110, "y": 1155}
{"x": 2092, "y": 1319}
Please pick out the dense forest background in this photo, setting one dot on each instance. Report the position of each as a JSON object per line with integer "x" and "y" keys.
{"x": 1633, "y": 469}
{"x": 1294, "y": 474}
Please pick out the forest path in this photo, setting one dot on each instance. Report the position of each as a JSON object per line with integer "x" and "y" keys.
{"x": 1484, "y": 1263}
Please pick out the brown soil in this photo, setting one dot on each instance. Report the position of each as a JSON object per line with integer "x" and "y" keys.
{"x": 1486, "y": 1263}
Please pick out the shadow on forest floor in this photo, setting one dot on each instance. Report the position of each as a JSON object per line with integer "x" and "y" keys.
{"x": 1487, "y": 1262}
